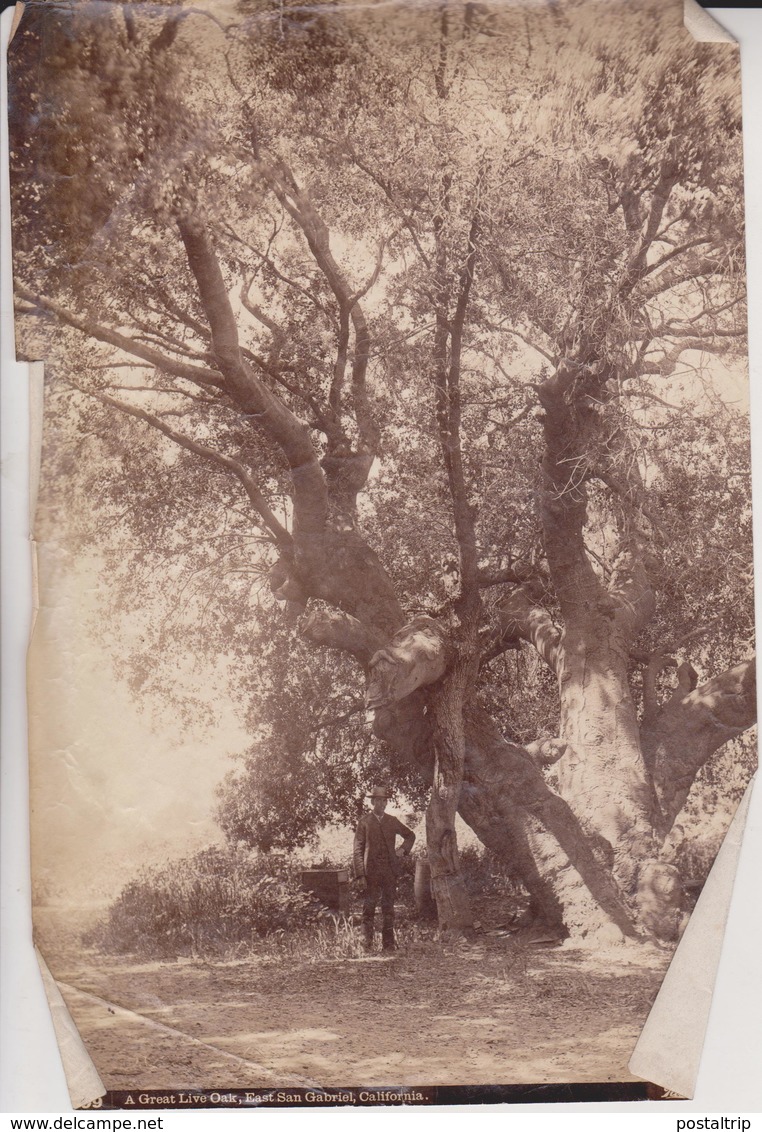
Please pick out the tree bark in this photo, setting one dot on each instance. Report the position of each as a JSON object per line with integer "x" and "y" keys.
{"x": 500, "y": 777}
{"x": 330, "y": 628}
{"x": 421, "y": 655}
{"x": 690, "y": 727}
{"x": 416, "y": 655}
{"x": 503, "y": 792}
{"x": 603, "y": 775}
{"x": 448, "y": 748}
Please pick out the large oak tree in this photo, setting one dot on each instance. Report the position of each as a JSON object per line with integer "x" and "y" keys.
{"x": 424, "y": 315}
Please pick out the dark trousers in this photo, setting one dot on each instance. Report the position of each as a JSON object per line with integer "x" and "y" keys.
{"x": 379, "y": 885}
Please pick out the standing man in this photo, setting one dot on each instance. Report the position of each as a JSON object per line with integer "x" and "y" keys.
{"x": 377, "y": 865}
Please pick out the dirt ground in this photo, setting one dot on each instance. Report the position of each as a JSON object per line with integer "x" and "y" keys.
{"x": 492, "y": 1012}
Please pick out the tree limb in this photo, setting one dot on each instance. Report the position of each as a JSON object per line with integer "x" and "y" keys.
{"x": 637, "y": 266}
{"x": 448, "y": 406}
{"x": 691, "y": 726}
{"x": 521, "y": 617}
{"x": 569, "y": 425}
{"x": 256, "y": 498}
{"x": 301, "y": 209}
{"x": 332, "y": 628}
{"x": 92, "y": 329}
{"x": 417, "y": 654}
{"x": 290, "y": 434}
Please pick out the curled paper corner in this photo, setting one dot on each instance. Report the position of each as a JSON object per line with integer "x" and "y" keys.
{"x": 18, "y": 12}
{"x": 669, "y": 1048}
{"x": 82, "y": 1079}
{"x": 703, "y": 27}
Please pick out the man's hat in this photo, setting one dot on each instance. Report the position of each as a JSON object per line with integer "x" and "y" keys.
{"x": 379, "y": 792}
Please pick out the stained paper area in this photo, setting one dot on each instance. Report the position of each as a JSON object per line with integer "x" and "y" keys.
{"x": 394, "y": 423}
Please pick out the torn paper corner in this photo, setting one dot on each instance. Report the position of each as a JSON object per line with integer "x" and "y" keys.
{"x": 668, "y": 1051}
{"x": 18, "y": 12}
{"x": 84, "y": 1084}
{"x": 703, "y": 27}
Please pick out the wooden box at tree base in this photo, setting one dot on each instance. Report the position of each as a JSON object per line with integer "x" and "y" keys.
{"x": 424, "y": 899}
{"x": 331, "y": 886}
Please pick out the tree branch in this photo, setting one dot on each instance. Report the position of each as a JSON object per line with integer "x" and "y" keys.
{"x": 637, "y": 267}
{"x": 301, "y": 209}
{"x": 92, "y": 329}
{"x": 256, "y": 498}
{"x": 681, "y": 737}
{"x": 290, "y": 434}
{"x": 570, "y": 424}
{"x": 671, "y": 357}
{"x": 521, "y": 617}
{"x": 332, "y": 628}
{"x": 416, "y": 655}
{"x": 679, "y": 250}
{"x": 517, "y": 574}
{"x": 386, "y": 189}
{"x": 448, "y": 408}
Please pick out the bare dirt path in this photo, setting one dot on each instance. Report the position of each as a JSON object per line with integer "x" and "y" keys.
{"x": 490, "y": 1013}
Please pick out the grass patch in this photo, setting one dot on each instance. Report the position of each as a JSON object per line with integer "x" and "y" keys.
{"x": 340, "y": 938}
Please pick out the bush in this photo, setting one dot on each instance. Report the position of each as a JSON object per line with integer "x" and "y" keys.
{"x": 484, "y": 874}
{"x": 213, "y": 902}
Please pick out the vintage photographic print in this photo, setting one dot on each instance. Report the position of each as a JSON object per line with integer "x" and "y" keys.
{"x": 392, "y": 684}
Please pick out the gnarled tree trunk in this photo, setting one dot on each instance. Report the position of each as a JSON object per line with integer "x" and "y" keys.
{"x": 448, "y": 748}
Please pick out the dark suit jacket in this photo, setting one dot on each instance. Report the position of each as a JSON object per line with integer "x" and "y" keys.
{"x": 374, "y": 844}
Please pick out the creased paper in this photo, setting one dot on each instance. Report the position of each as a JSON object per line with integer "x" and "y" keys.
{"x": 669, "y": 1049}
{"x": 85, "y": 1086}
{"x": 124, "y": 774}
{"x": 702, "y": 26}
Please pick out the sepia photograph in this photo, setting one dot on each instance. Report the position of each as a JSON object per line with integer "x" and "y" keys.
{"x": 392, "y": 682}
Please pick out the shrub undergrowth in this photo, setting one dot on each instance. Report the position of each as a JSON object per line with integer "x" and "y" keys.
{"x": 226, "y": 901}
{"x": 218, "y": 901}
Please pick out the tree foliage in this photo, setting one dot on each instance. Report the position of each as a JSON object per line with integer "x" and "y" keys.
{"x": 389, "y": 314}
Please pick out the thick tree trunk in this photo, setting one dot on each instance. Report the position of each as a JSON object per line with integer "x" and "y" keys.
{"x": 445, "y": 709}
{"x": 499, "y": 823}
{"x": 504, "y": 787}
{"x": 598, "y": 764}
{"x": 603, "y": 776}
{"x": 421, "y": 655}
{"x": 503, "y": 796}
